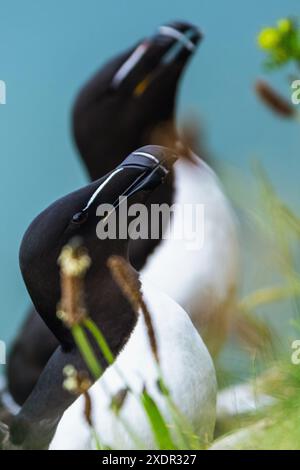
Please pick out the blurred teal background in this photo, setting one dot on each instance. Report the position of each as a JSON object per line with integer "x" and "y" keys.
{"x": 48, "y": 49}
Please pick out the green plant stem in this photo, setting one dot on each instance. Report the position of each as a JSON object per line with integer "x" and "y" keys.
{"x": 158, "y": 425}
{"x": 86, "y": 351}
{"x": 185, "y": 433}
{"x": 102, "y": 343}
{"x": 94, "y": 366}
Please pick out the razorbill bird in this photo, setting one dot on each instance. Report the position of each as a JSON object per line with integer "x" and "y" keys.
{"x": 124, "y": 104}
{"x": 117, "y": 111}
{"x": 128, "y": 101}
{"x": 75, "y": 214}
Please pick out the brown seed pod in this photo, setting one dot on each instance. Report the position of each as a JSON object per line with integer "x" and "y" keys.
{"x": 118, "y": 400}
{"x": 130, "y": 285}
{"x": 273, "y": 100}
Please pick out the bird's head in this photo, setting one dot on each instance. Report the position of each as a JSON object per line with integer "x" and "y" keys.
{"x": 78, "y": 215}
{"x": 132, "y": 96}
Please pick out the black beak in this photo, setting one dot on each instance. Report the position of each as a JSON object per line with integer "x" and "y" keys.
{"x": 152, "y": 164}
{"x": 186, "y": 38}
{"x": 173, "y": 43}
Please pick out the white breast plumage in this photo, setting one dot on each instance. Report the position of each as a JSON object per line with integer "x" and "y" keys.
{"x": 187, "y": 369}
{"x": 202, "y": 281}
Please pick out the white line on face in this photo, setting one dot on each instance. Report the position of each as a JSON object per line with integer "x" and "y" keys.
{"x": 138, "y": 53}
{"x": 101, "y": 186}
{"x": 117, "y": 170}
{"x": 129, "y": 64}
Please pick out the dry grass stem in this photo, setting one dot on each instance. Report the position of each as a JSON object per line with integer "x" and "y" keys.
{"x": 128, "y": 282}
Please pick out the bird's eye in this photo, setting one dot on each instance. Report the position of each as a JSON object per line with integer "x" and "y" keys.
{"x": 80, "y": 217}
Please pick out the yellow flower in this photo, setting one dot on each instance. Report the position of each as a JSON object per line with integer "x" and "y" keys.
{"x": 285, "y": 25}
{"x": 268, "y": 38}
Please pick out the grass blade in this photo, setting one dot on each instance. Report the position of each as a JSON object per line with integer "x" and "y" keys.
{"x": 158, "y": 425}
{"x": 86, "y": 351}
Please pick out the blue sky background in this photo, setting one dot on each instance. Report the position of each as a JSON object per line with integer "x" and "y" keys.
{"x": 48, "y": 49}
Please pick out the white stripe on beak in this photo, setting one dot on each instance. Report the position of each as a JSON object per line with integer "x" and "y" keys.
{"x": 147, "y": 155}
{"x": 174, "y": 33}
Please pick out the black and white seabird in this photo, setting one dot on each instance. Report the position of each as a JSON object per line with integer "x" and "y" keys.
{"x": 75, "y": 215}
{"x": 129, "y": 99}
{"x": 187, "y": 369}
{"x": 134, "y": 94}
{"x": 120, "y": 108}
{"x": 117, "y": 111}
